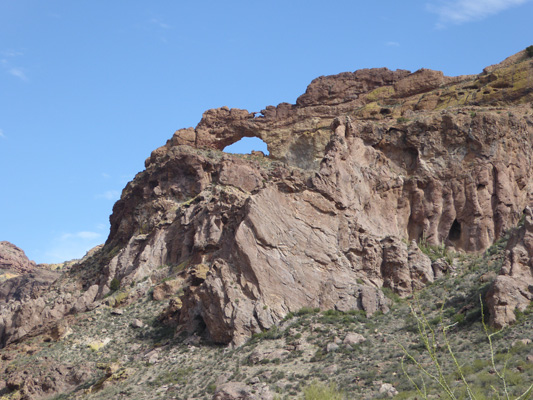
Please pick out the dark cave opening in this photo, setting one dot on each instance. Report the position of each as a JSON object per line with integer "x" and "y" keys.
{"x": 199, "y": 324}
{"x": 455, "y": 231}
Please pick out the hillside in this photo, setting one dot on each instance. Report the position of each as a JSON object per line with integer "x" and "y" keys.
{"x": 247, "y": 276}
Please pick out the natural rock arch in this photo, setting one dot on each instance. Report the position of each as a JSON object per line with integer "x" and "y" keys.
{"x": 247, "y": 145}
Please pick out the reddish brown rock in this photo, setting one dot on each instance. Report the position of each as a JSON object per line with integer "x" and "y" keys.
{"x": 513, "y": 288}
{"x": 26, "y": 286}
{"x": 362, "y": 164}
{"x": 320, "y": 222}
{"x": 14, "y": 259}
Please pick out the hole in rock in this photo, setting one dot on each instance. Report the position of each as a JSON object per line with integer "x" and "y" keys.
{"x": 198, "y": 325}
{"x": 246, "y": 145}
{"x": 455, "y": 231}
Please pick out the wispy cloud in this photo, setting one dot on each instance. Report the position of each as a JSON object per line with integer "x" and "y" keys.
{"x": 19, "y": 73}
{"x": 392, "y": 44}
{"x": 81, "y": 235}
{"x": 11, "y": 53}
{"x": 69, "y": 246}
{"x": 462, "y": 11}
{"x": 103, "y": 227}
{"x": 160, "y": 23}
{"x": 6, "y": 62}
{"x": 109, "y": 195}
{"x": 2, "y": 134}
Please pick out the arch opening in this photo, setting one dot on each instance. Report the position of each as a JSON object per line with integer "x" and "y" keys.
{"x": 246, "y": 145}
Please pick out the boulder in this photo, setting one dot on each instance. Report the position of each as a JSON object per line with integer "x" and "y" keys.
{"x": 353, "y": 338}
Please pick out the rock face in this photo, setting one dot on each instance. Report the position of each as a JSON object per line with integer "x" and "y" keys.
{"x": 361, "y": 165}
{"x": 20, "y": 278}
{"x": 14, "y": 259}
{"x": 362, "y": 161}
{"x": 513, "y": 288}
{"x": 26, "y": 286}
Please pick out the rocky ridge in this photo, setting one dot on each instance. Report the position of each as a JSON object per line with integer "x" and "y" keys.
{"x": 14, "y": 259}
{"x": 361, "y": 166}
{"x": 361, "y": 162}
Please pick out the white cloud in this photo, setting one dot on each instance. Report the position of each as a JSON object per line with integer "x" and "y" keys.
{"x": 17, "y": 72}
{"x": 11, "y": 53}
{"x": 69, "y": 246}
{"x": 392, "y": 44}
{"x": 103, "y": 227}
{"x": 160, "y": 23}
{"x": 8, "y": 66}
{"x": 81, "y": 235}
{"x": 461, "y": 11}
{"x": 109, "y": 195}
{"x": 2, "y": 135}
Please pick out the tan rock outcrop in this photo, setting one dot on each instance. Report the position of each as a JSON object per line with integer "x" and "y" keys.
{"x": 513, "y": 288}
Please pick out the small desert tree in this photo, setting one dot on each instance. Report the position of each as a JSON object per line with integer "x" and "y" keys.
{"x": 433, "y": 340}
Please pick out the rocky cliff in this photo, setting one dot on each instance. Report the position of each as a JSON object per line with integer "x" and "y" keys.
{"x": 14, "y": 259}
{"x": 21, "y": 278}
{"x": 360, "y": 169}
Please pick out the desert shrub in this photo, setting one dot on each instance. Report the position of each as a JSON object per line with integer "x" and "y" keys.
{"x": 391, "y": 295}
{"x": 306, "y": 311}
{"x": 529, "y": 51}
{"x": 434, "y": 252}
{"x": 437, "y": 346}
{"x": 120, "y": 297}
{"x": 321, "y": 391}
{"x": 178, "y": 376}
{"x": 114, "y": 285}
{"x": 270, "y": 334}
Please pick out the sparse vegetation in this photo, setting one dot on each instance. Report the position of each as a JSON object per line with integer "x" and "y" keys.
{"x": 434, "y": 252}
{"x": 435, "y": 342}
{"x": 320, "y": 391}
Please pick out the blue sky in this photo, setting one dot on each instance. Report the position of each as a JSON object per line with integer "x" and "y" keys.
{"x": 89, "y": 88}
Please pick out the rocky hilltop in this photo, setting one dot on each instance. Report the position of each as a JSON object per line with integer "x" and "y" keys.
{"x": 361, "y": 166}
{"x": 14, "y": 259}
{"x": 21, "y": 278}
{"x": 361, "y": 170}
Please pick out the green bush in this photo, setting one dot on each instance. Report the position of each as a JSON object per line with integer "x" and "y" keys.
{"x": 320, "y": 391}
{"x": 435, "y": 252}
{"x": 270, "y": 334}
{"x": 114, "y": 285}
{"x": 529, "y": 51}
{"x": 306, "y": 311}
